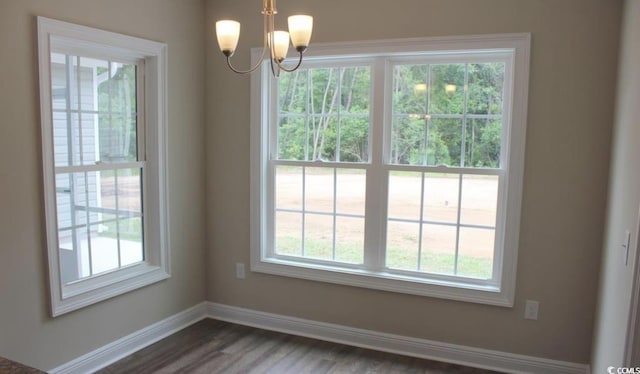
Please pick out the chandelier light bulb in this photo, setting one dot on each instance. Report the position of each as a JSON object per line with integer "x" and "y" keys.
{"x": 300, "y": 28}
{"x": 228, "y": 33}
{"x": 281, "y": 44}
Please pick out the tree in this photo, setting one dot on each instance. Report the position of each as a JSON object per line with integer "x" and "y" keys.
{"x": 324, "y": 114}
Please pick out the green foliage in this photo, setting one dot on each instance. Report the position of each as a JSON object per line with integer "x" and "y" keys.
{"x": 430, "y": 102}
{"x": 324, "y": 114}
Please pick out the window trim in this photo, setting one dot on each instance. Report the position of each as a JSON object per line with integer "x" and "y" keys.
{"x": 87, "y": 41}
{"x": 502, "y": 295}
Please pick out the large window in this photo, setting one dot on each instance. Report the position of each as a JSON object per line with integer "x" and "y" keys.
{"x": 394, "y": 165}
{"x": 103, "y": 153}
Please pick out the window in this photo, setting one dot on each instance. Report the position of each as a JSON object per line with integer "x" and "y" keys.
{"x": 394, "y": 165}
{"x": 104, "y": 156}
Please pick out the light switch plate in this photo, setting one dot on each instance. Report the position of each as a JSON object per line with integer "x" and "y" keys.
{"x": 531, "y": 309}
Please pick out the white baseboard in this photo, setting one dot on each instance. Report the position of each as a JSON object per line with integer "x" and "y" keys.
{"x": 114, "y": 351}
{"x": 422, "y": 348}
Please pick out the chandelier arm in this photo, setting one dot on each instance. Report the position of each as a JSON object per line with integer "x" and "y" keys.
{"x": 251, "y": 70}
{"x": 292, "y": 69}
{"x": 264, "y": 50}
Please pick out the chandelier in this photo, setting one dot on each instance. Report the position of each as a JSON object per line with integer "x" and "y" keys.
{"x": 275, "y": 41}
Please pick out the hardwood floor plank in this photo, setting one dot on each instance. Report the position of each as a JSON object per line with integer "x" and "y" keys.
{"x": 216, "y": 347}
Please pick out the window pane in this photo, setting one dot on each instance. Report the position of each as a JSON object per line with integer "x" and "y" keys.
{"x": 479, "y": 200}
{"x": 404, "y": 195}
{"x": 118, "y": 107}
{"x": 292, "y": 96}
{"x": 445, "y": 143}
{"x": 483, "y": 139}
{"x": 63, "y": 141}
{"x": 68, "y": 257}
{"x": 402, "y": 245}
{"x": 441, "y": 197}
{"x": 446, "y": 93}
{"x": 288, "y": 186}
{"x": 59, "y": 81}
{"x": 64, "y": 199}
{"x": 131, "y": 241}
{"x": 475, "y": 254}
{"x": 88, "y": 138}
{"x": 292, "y": 136}
{"x": 92, "y": 72}
{"x": 323, "y": 86}
{"x": 350, "y": 240}
{"x": 75, "y": 75}
{"x": 130, "y": 223}
{"x": 486, "y": 82}
{"x": 318, "y": 236}
{"x": 322, "y": 138}
{"x": 288, "y": 234}
{"x": 129, "y": 192}
{"x": 71, "y": 207}
{"x": 82, "y": 253}
{"x": 104, "y": 250}
{"x": 410, "y": 89}
{"x": 355, "y": 89}
{"x": 438, "y": 249}
{"x": 407, "y": 140}
{"x": 351, "y": 191}
{"x": 76, "y": 138}
{"x": 319, "y": 189}
{"x": 354, "y": 139}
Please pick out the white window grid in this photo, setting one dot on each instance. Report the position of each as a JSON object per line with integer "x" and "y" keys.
{"x": 78, "y": 176}
{"x": 373, "y": 274}
{"x": 376, "y": 254}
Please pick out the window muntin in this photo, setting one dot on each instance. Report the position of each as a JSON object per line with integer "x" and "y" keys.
{"x": 459, "y": 225}
{"x": 103, "y": 110}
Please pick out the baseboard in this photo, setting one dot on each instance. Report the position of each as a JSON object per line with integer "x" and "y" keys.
{"x": 114, "y": 351}
{"x": 422, "y": 348}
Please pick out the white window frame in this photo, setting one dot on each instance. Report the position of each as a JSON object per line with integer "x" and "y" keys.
{"x": 90, "y": 42}
{"x": 501, "y": 290}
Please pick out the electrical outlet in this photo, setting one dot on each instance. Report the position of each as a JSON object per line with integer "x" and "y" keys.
{"x": 531, "y": 310}
{"x": 240, "y": 274}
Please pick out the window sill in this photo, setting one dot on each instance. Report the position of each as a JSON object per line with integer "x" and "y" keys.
{"x": 86, "y": 292}
{"x": 385, "y": 281}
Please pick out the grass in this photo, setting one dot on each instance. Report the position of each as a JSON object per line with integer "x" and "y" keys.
{"x": 397, "y": 258}
{"x": 321, "y": 249}
{"x": 130, "y": 229}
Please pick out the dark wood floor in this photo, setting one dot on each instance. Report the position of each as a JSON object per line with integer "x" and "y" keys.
{"x": 211, "y": 346}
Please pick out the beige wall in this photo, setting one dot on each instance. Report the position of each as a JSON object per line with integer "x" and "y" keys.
{"x": 573, "y": 75}
{"x": 27, "y": 333}
{"x": 624, "y": 198}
